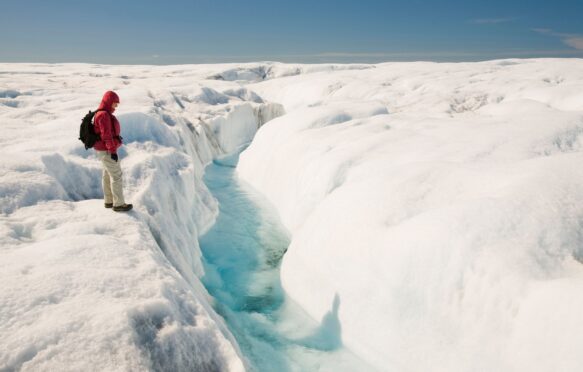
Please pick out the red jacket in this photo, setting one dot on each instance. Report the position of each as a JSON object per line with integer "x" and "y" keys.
{"x": 108, "y": 131}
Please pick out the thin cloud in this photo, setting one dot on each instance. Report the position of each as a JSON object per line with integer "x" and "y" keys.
{"x": 572, "y": 40}
{"x": 507, "y": 53}
{"x": 545, "y": 31}
{"x": 356, "y": 54}
{"x": 492, "y": 21}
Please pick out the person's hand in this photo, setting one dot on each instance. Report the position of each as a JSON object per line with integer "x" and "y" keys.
{"x": 114, "y": 157}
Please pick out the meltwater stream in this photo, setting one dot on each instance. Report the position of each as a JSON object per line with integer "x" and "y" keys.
{"x": 242, "y": 253}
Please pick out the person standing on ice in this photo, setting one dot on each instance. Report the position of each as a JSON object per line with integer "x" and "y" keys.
{"x": 108, "y": 128}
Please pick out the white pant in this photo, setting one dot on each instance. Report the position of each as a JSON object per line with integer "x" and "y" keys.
{"x": 111, "y": 179}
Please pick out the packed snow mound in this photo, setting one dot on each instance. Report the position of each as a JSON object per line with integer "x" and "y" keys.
{"x": 85, "y": 288}
{"x": 446, "y": 223}
{"x": 444, "y": 89}
{"x": 256, "y": 72}
{"x": 435, "y": 211}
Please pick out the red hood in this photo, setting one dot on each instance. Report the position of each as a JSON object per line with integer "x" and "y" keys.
{"x": 109, "y": 98}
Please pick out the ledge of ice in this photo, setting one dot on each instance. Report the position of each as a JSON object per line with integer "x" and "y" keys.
{"x": 435, "y": 209}
{"x": 448, "y": 224}
{"x": 83, "y": 286}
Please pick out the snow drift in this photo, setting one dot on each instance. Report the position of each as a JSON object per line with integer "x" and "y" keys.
{"x": 441, "y": 204}
{"x": 88, "y": 289}
{"x": 435, "y": 211}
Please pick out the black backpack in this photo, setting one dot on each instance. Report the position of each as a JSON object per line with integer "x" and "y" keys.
{"x": 87, "y": 133}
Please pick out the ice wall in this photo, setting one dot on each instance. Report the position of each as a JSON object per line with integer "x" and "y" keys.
{"x": 83, "y": 287}
{"x": 439, "y": 204}
{"x": 435, "y": 209}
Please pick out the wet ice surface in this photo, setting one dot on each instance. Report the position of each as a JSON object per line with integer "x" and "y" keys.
{"x": 461, "y": 251}
{"x": 242, "y": 253}
{"x": 441, "y": 204}
{"x": 85, "y": 289}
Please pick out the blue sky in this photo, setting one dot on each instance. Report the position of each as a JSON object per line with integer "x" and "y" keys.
{"x": 194, "y": 31}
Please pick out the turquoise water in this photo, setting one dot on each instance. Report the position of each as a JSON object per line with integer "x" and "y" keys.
{"x": 242, "y": 254}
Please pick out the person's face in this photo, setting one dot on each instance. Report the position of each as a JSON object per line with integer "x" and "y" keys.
{"x": 114, "y": 105}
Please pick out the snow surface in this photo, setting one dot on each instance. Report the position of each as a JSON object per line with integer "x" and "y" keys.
{"x": 435, "y": 211}
{"x": 441, "y": 204}
{"x": 84, "y": 288}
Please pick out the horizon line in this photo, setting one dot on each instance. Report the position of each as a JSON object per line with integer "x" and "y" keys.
{"x": 321, "y": 57}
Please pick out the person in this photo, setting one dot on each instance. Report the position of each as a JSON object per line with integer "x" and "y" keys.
{"x": 108, "y": 128}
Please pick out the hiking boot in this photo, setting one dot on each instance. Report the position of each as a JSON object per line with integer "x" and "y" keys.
{"x": 108, "y": 205}
{"x": 123, "y": 207}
